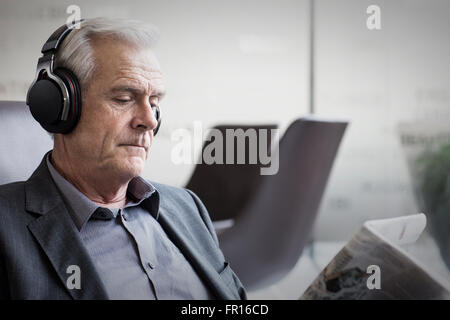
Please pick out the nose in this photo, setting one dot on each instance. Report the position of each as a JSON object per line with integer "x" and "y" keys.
{"x": 144, "y": 118}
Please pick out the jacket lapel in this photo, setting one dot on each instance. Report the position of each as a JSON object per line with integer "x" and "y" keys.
{"x": 57, "y": 235}
{"x": 181, "y": 237}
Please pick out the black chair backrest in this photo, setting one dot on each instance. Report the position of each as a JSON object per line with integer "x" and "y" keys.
{"x": 226, "y": 188}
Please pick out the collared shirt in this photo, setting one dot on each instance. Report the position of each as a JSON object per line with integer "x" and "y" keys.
{"x": 133, "y": 255}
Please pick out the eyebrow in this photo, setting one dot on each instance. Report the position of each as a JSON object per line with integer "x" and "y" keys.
{"x": 137, "y": 91}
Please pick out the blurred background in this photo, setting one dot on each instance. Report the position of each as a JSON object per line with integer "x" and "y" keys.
{"x": 251, "y": 62}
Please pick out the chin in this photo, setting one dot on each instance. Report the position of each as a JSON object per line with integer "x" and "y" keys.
{"x": 134, "y": 166}
{"x": 127, "y": 168}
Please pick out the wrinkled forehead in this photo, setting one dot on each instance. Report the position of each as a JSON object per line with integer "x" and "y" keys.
{"x": 116, "y": 60}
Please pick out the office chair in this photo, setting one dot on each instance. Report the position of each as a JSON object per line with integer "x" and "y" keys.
{"x": 23, "y": 142}
{"x": 268, "y": 237}
{"x": 226, "y": 188}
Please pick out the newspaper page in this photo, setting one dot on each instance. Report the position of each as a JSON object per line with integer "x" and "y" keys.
{"x": 373, "y": 265}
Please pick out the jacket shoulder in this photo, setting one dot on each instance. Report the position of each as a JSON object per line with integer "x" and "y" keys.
{"x": 178, "y": 196}
{"x": 169, "y": 190}
{"x": 185, "y": 198}
{"x": 12, "y": 191}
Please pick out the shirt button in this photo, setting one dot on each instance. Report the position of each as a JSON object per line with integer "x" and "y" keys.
{"x": 151, "y": 265}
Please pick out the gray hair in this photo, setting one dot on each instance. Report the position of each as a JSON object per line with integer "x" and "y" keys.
{"x": 76, "y": 52}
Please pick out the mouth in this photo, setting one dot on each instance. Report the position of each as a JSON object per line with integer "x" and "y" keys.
{"x": 133, "y": 146}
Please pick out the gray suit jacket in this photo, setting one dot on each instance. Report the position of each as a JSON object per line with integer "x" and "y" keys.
{"x": 38, "y": 241}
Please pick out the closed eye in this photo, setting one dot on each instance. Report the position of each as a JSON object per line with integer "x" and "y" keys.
{"x": 122, "y": 100}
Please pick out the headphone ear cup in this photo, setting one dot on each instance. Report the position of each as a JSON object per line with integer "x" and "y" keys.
{"x": 74, "y": 90}
{"x": 45, "y": 101}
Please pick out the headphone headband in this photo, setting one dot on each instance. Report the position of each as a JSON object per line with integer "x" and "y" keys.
{"x": 58, "y": 36}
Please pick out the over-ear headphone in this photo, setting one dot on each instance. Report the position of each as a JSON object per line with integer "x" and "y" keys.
{"x": 54, "y": 97}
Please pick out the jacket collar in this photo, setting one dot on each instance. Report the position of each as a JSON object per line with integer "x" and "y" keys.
{"x": 58, "y": 236}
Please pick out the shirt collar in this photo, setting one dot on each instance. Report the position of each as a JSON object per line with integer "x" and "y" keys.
{"x": 81, "y": 208}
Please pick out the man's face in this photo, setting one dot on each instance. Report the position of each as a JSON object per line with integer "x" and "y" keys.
{"x": 114, "y": 134}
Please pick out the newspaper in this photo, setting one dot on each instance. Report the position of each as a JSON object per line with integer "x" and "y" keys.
{"x": 373, "y": 265}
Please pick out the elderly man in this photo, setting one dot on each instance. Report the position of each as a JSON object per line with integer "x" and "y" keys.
{"x": 85, "y": 225}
